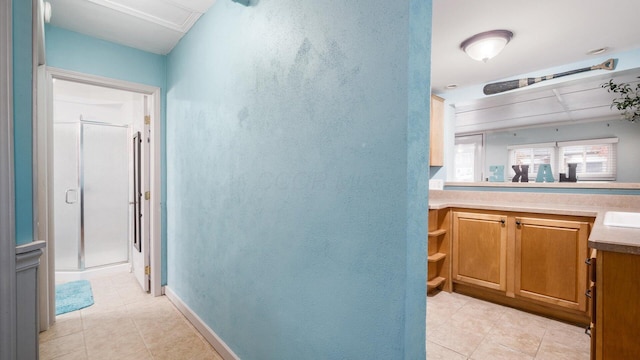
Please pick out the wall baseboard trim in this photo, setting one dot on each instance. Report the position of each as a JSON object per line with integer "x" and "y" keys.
{"x": 213, "y": 338}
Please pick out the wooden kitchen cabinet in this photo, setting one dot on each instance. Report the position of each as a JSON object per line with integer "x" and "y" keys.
{"x": 439, "y": 251}
{"x": 436, "y": 132}
{"x": 617, "y": 306}
{"x": 549, "y": 261}
{"x": 480, "y": 249}
{"x": 534, "y": 262}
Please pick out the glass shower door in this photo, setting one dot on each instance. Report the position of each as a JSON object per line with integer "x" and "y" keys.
{"x": 66, "y": 183}
{"x": 105, "y": 194}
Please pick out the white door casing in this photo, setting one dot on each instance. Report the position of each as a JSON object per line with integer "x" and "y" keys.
{"x": 153, "y": 234}
{"x": 141, "y": 259}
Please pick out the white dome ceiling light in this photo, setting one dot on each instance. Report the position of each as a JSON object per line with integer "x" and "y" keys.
{"x": 486, "y": 45}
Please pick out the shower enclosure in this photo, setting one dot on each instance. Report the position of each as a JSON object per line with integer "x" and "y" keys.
{"x": 91, "y": 194}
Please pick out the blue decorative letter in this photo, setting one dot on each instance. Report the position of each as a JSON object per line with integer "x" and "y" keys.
{"x": 544, "y": 174}
{"x": 497, "y": 173}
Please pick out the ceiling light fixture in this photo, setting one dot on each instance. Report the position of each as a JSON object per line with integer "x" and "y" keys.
{"x": 486, "y": 45}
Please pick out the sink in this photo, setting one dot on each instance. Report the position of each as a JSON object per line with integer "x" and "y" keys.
{"x": 622, "y": 219}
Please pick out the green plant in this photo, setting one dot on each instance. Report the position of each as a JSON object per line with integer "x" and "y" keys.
{"x": 628, "y": 102}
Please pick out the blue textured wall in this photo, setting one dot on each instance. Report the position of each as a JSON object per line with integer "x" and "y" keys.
{"x": 296, "y": 159}
{"x": 77, "y": 52}
{"x": 23, "y": 120}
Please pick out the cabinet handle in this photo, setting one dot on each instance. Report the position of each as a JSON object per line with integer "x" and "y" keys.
{"x": 588, "y": 261}
{"x": 518, "y": 222}
{"x": 587, "y": 330}
{"x": 502, "y": 221}
{"x": 588, "y": 293}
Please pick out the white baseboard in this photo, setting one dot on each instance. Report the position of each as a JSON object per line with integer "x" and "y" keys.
{"x": 213, "y": 338}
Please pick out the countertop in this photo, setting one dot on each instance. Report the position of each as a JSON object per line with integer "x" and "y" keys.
{"x": 606, "y": 238}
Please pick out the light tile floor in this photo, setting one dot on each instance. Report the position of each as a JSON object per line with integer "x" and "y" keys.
{"x": 462, "y": 327}
{"x": 124, "y": 323}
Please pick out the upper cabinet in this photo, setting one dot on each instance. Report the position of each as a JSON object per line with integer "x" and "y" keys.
{"x": 436, "y": 144}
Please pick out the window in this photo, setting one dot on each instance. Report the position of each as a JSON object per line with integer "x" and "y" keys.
{"x": 533, "y": 155}
{"x": 468, "y": 158}
{"x": 595, "y": 159}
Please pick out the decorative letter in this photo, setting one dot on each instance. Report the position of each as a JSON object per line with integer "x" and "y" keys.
{"x": 572, "y": 172}
{"x": 522, "y": 173}
{"x": 525, "y": 173}
{"x": 544, "y": 174}
{"x": 518, "y": 172}
{"x": 497, "y": 173}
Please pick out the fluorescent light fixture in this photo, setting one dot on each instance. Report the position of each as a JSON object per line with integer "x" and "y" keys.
{"x": 486, "y": 45}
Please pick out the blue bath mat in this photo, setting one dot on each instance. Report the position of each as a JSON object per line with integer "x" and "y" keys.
{"x": 73, "y": 296}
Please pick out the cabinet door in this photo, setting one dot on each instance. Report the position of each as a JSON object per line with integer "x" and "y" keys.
{"x": 479, "y": 249}
{"x": 549, "y": 261}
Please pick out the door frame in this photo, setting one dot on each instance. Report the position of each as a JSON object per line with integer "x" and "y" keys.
{"x": 7, "y": 216}
{"x": 45, "y": 165}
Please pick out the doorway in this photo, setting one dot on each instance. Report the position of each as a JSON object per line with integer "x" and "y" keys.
{"x": 88, "y": 159}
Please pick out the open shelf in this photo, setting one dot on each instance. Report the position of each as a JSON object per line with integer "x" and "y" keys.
{"x": 437, "y": 232}
{"x": 436, "y": 257}
{"x": 435, "y": 282}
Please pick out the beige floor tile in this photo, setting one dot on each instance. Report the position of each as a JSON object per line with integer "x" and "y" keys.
{"x": 524, "y": 338}
{"x": 445, "y": 298}
{"x": 476, "y": 317}
{"x": 556, "y": 351}
{"x": 517, "y": 318}
{"x": 157, "y": 334}
{"x": 143, "y": 354}
{"x": 483, "y": 330}
{"x": 185, "y": 346}
{"x": 125, "y": 323}
{"x": 76, "y": 355}
{"x": 65, "y": 324}
{"x": 115, "y": 342}
{"x": 62, "y": 346}
{"x": 111, "y": 318}
{"x": 437, "y": 352}
{"x": 104, "y": 303}
{"x": 489, "y": 350}
{"x": 563, "y": 341}
{"x": 209, "y": 354}
{"x": 132, "y": 293}
{"x": 153, "y": 308}
{"x": 461, "y": 341}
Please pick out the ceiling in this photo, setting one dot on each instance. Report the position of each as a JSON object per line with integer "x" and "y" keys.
{"x": 547, "y": 34}
{"x": 151, "y": 25}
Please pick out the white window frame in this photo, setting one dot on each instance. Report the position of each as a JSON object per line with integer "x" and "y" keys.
{"x": 557, "y": 161}
{"x": 611, "y": 175}
{"x": 532, "y": 172}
